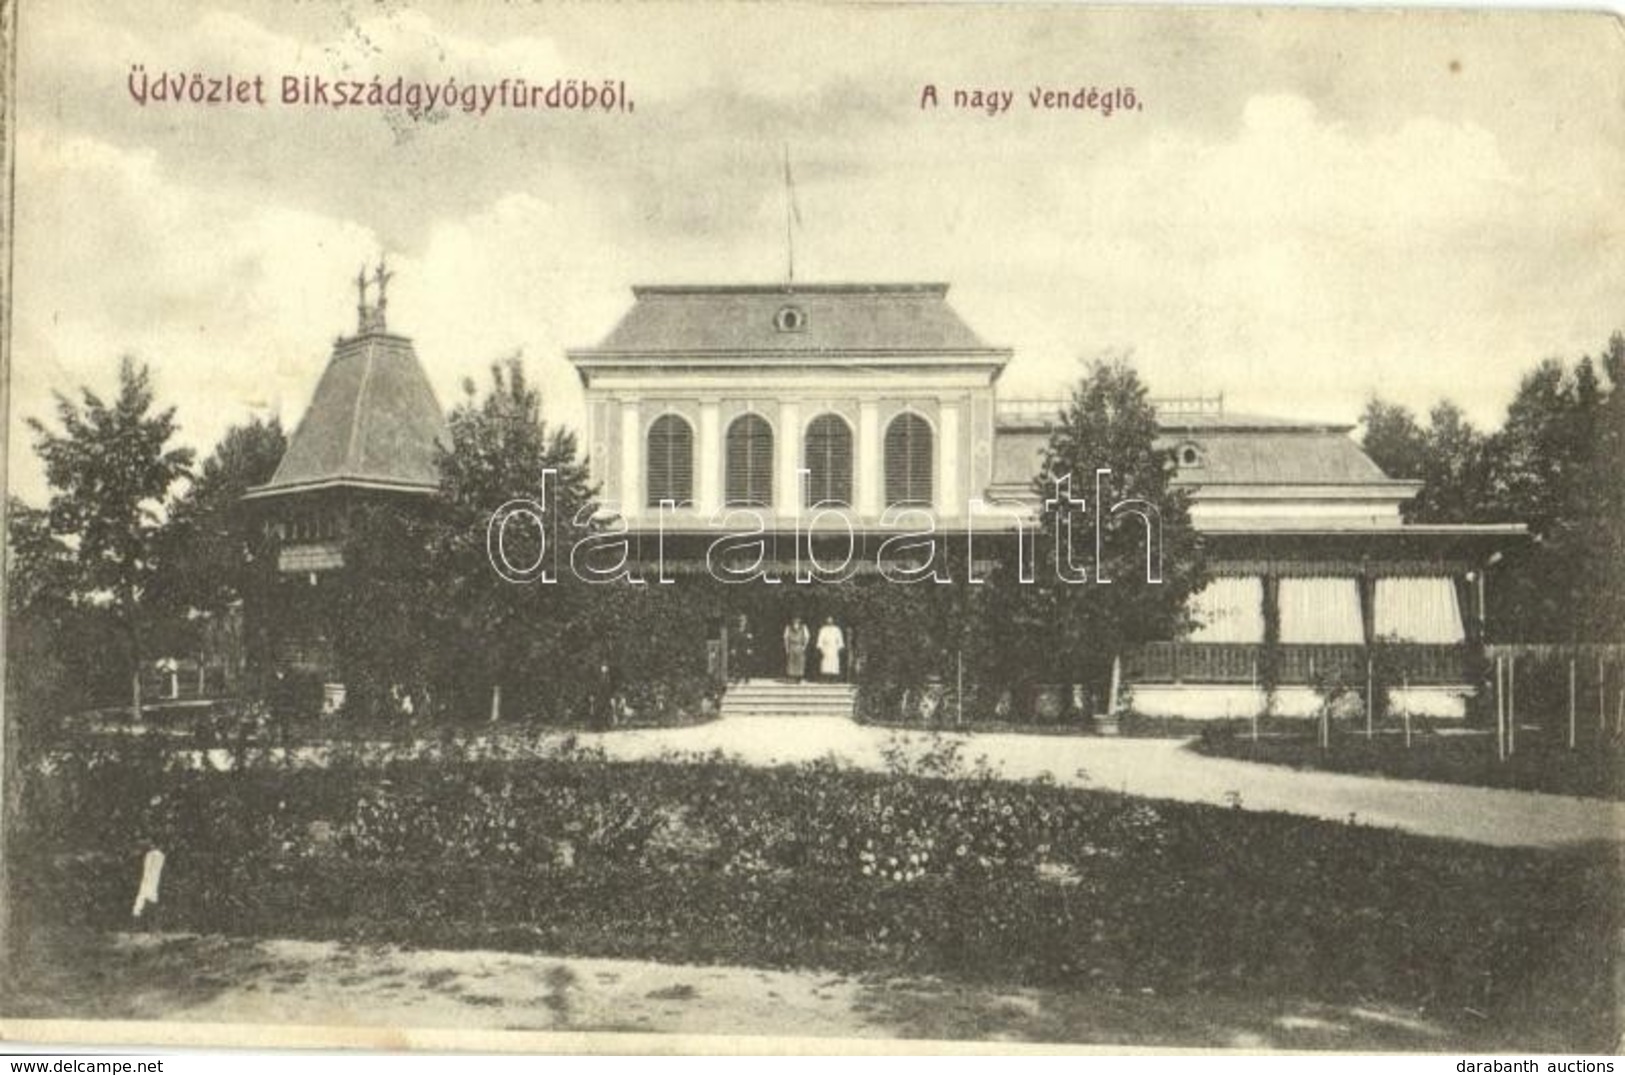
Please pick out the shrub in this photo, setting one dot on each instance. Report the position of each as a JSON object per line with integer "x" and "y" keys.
{"x": 937, "y": 867}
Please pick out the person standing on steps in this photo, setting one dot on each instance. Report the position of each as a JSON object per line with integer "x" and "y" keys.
{"x": 742, "y": 650}
{"x": 831, "y": 642}
{"x": 796, "y": 638}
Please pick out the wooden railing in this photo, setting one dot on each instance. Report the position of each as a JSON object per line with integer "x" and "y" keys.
{"x": 1047, "y": 409}
{"x": 1304, "y": 663}
{"x": 1197, "y": 662}
{"x": 1424, "y": 666}
{"x": 1216, "y": 662}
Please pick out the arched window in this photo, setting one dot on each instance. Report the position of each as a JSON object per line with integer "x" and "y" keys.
{"x": 908, "y": 461}
{"x": 829, "y": 462}
{"x": 749, "y": 480}
{"x": 671, "y": 462}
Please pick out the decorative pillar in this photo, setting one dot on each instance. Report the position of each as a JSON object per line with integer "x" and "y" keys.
{"x": 867, "y": 464}
{"x": 949, "y": 497}
{"x": 1368, "y": 604}
{"x": 787, "y": 460}
{"x": 707, "y": 482}
{"x": 630, "y": 492}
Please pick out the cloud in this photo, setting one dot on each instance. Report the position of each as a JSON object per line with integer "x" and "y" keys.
{"x": 222, "y": 300}
{"x": 1292, "y": 234}
{"x": 1298, "y": 264}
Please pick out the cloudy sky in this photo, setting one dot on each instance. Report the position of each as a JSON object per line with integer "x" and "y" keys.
{"x": 1307, "y": 208}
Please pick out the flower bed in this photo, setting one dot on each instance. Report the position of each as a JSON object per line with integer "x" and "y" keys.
{"x": 815, "y": 866}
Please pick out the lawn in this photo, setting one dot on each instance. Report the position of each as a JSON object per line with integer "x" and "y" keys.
{"x": 959, "y": 875}
{"x": 1542, "y": 761}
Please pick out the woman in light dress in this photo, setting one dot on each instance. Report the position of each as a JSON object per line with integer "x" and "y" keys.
{"x": 831, "y": 641}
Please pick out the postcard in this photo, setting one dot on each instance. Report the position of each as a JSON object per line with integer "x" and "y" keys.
{"x": 813, "y": 527}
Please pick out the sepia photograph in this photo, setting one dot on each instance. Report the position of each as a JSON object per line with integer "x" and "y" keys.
{"x": 813, "y": 527}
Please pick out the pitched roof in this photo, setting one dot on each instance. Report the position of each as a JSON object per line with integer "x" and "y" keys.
{"x": 374, "y": 421}
{"x": 1234, "y": 450}
{"x": 1281, "y": 456}
{"x": 789, "y": 318}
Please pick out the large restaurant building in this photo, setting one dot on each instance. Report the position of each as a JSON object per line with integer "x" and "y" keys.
{"x": 825, "y": 413}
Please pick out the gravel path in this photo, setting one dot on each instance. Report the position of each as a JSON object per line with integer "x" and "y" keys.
{"x": 1163, "y": 769}
{"x": 1155, "y": 768}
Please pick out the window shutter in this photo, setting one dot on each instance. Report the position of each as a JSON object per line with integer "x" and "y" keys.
{"x": 671, "y": 461}
{"x": 908, "y": 461}
{"x": 829, "y": 462}
{"x": 749, "y": 481}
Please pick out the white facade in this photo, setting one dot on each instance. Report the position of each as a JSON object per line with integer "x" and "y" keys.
{"x": 621, "y": 412}
{"x": 850, "y": 354}
{"x": 1293, "y": 509}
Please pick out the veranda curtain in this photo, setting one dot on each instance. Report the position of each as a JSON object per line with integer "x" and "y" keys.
{"x": 1323, "y": 611}
{"x": 1229, "y": 609}
{"x": 1418, "y": 610}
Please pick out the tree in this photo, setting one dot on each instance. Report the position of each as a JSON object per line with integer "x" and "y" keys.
{"x": 1393, "y": 439}
{"x": 387, "y": 604}
{"x": 38, "y": 563}
{"x": 1541, "y": 447}
{"x": 921, "y": 641}
{"x": 1454, "y": 475}
{"x": 1554, "y": 465}
{"x": 203, "y": 549}
{"x": 1149, "y": 558}
{"x": 424, "y": 604}
{"x": 110, "y": 470}
{"x": 502, "y": 450}
{"x": 208, "y": 562}
{"x": 1600, "y": 535}
{"x": 1447, "y": 456}
{"x": 40, "y": 622}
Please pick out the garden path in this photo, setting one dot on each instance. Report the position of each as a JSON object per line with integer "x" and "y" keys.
{"x": 1163, "y": 769}
{"x": 186, "y": 989}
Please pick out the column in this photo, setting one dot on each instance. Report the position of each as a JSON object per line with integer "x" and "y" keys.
{"x": 591, "y": 430}
{"x": 866, "y": 467}
{"x": 950, "y": 499}
{"x": 787, "y": 460}
{"x": 630, "y": 492}
{"x": 707, "y": 498}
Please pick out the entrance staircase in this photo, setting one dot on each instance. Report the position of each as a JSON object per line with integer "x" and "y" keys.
{"x": 778, "y": 698}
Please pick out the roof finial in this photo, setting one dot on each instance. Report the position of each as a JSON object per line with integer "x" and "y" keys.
{"x": 372, "y": 317}
{"x": 362, "y": 312}
{"x": 383, "y": 278}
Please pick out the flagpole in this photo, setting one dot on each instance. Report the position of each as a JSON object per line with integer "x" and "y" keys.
{"x": 789, "y": 219}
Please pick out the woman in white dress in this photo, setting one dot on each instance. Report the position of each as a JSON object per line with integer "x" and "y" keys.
{"x": 830, "y": 644}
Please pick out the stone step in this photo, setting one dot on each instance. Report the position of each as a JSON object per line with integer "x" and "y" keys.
{"x": 752, "y": 714}
{"x": 801, "y": 697}
{"x": 775, "y": 698}
{"x": 806, "y": 684}
{"x": 786, "y": 707}
{"x": 788, "y": 700}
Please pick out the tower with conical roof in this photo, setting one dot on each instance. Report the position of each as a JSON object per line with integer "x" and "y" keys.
{"x": 369, "y": 433}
